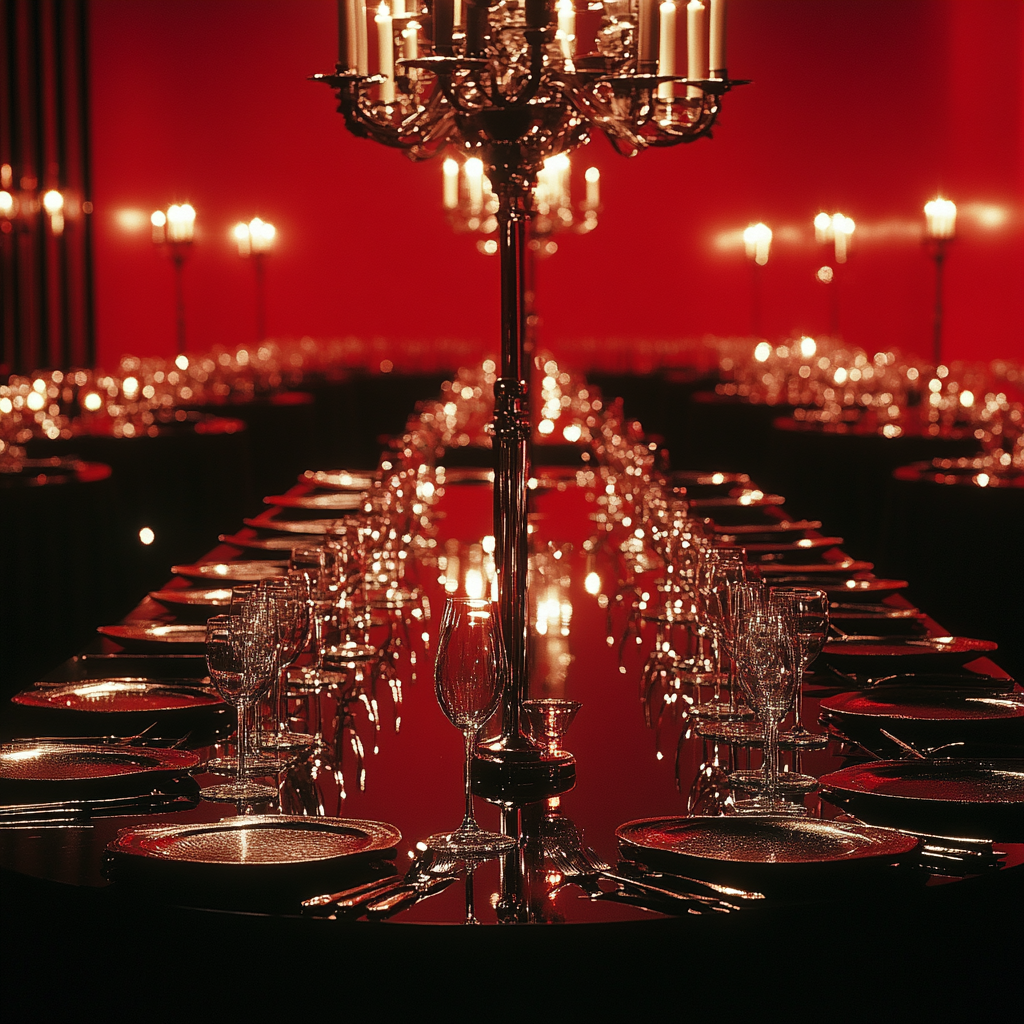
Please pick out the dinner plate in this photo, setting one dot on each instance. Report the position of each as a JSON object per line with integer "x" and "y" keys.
{"x": 833, "y": 568}
{"x": 879, "y": 655}
{"x": 203, "y": 597}
{"x": 253, "y": 862}
{"x": 44, "y": 763}
{"x": 777, "y": 851}
{"x": 266, "y": 521}
{"x": 122, "y": 696}
{"x": 254, "y": 543}
{"x": 748, "y": 499}
{"x": 233, "y": 572}
{"x": 465, "y": 475}
{"x": 783, "y": 526}
{"x": 144, "y": 632}
{"x": 963, "y": 680}
{"x": 338, "y": 479}
{"x": 925, "y": 716}
{"x": 781, "y": 547}
{"x": 982, "y": 799}
{"x": 860, "y": 589}
{"x": 337, "y": 502}
{"x": 698, "y": 478}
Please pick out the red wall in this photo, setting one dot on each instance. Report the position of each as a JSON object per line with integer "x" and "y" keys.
{"x": 865, "y": 107}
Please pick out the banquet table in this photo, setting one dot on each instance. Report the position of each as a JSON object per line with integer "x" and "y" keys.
{"x": 906, "y": 943}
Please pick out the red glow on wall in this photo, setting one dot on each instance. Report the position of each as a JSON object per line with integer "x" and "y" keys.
{"x": 866, "y": 108}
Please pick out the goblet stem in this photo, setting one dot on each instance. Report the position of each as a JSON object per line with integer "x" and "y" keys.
{"x": 771, "y": 758}
{"x": 243, "y": 741}
{"x": 716, "y": 654}
{"x": 798, "y": 699}
{"x": 469, "y": 821}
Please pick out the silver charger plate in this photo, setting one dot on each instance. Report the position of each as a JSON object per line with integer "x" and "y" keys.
{"x": 156, "y": 632}
{"x": 338, "y": 479}
{"x": 122, "y": 695}
{"x": 233, "y": 572}
{"x": 275, "y": 841}
{"x": 768, "y": 842}
{"x": 267, "y": 521}
{"x": 337, "y": 502}
{"x": 287, "y": 543}
{"x": 69, "y": 762}
{"x": 202, "y": 597}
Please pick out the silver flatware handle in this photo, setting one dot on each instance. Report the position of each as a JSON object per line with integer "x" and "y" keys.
{"x": 409, "y": 895}
{"x": 344, "y": 898}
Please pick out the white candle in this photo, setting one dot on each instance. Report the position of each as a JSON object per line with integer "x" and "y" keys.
{"x": 411, "y": 41}
{"x": 696, "y": 65}
{"x": 941, "y": 216}
{"x": 718, "y": 37}
{"x": 397, "y": 8}
{"x": 667, "y": 50}
{"x": 362, "y": 43}
{"x": 567, "y": 28}
{"x": 350, "y": 54}
{"x": 457, "y": 14}
{"x": 593, "y": 179}
{"x": 386, "y": 53}
{"x": 451, "y": 183}
{"x": 646, "y": 49}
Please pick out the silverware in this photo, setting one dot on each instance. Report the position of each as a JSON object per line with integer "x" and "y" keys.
{"x": 669, "y": 879}
{"x": 14, "y": 815}
{"x": 427, "y": 875}
{"x": 353, "y": 897}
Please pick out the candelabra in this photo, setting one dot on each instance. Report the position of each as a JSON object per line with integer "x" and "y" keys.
{"x": 757, "y": 240}
{"x": 175, "y": 229}
{"x": 505, "y": 82}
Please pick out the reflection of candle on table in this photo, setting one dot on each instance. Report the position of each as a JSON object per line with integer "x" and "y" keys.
{"x": 718, "y": 37}
{"x": 386, "y": 50}
{"x": 667, "y": 51}
{"x": 696, "y": 67}
{"x": 593, "y": 179}
{"x": 451, "y": 183}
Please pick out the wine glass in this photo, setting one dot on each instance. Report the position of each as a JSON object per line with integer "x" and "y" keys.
{"x": 240, "y": 666}
{"x": 717, "y": 571}
{"x": 288, "y": 597}
{"x": 767, "y": 659}
{"x": 809, "y": 611}
{"x": 548, "y": 719}
{"x": 469, "y": 672}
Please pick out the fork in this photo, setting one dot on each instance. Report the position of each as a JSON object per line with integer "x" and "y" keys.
{"x": 578, "y": 869}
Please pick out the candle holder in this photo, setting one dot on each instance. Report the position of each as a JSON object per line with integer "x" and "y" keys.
{"x": 174, "y": 231}
{"x": 255, "y": 240}
{"x": 504, "y": 87}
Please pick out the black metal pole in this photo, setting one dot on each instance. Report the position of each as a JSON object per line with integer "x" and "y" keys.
{"x": 511, "y": 436}
{"x": 261, "y": 297}
{"x": 179, "y": 296}
{"x": 940, "y": 257}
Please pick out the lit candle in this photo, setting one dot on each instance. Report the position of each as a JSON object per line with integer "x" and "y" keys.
{"x": 457, "y": 14}
{"x": 411, "y": 41}
{"x": 386, "y": 53}
{"x": 567, "y": 28}
{"x": 362, "y": 43}
{"x": 647, "y": 37}
{"x": 593, "y": 179}
{"x": 398, "y": 8}
{"x": 941, "y": 218}
{"x": 696, "y": 67}
{"x": 451, "y": 183}
{"x": 242, "y": 238}
{"x": 842, "y": 231}
{"x": 667, "y": 50}
{"x": 718, "y": 63}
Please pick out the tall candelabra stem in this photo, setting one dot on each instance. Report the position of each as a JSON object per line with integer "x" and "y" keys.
{"x": 940, "y": 258}
{"x": 179, "y": 297}
{"x": 511, "y": 438}
{"x": 261, "y": 296}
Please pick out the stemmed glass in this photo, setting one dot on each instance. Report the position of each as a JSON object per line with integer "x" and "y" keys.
{"x": 716, "y": 572}
{"x": 289, "y": 599}
{"x": 809, "y": 612}
{"x": 469, "y": 673}
{"x": 240, "y": 661}
{"x": 767, "y": 656}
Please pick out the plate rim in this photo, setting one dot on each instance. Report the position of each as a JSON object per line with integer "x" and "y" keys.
{"x": 185, "y": 761}
{"x": 893, "y": 835}
{"x": 24, "y": 697}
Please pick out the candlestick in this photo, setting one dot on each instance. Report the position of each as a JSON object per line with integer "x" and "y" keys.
{"x": 718, "y": 23}
{"x": 386, "y": 52}
{"x": 647, "y": 40}
{"x": 667, "y": 50}
{"x": 696, "y": 65}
